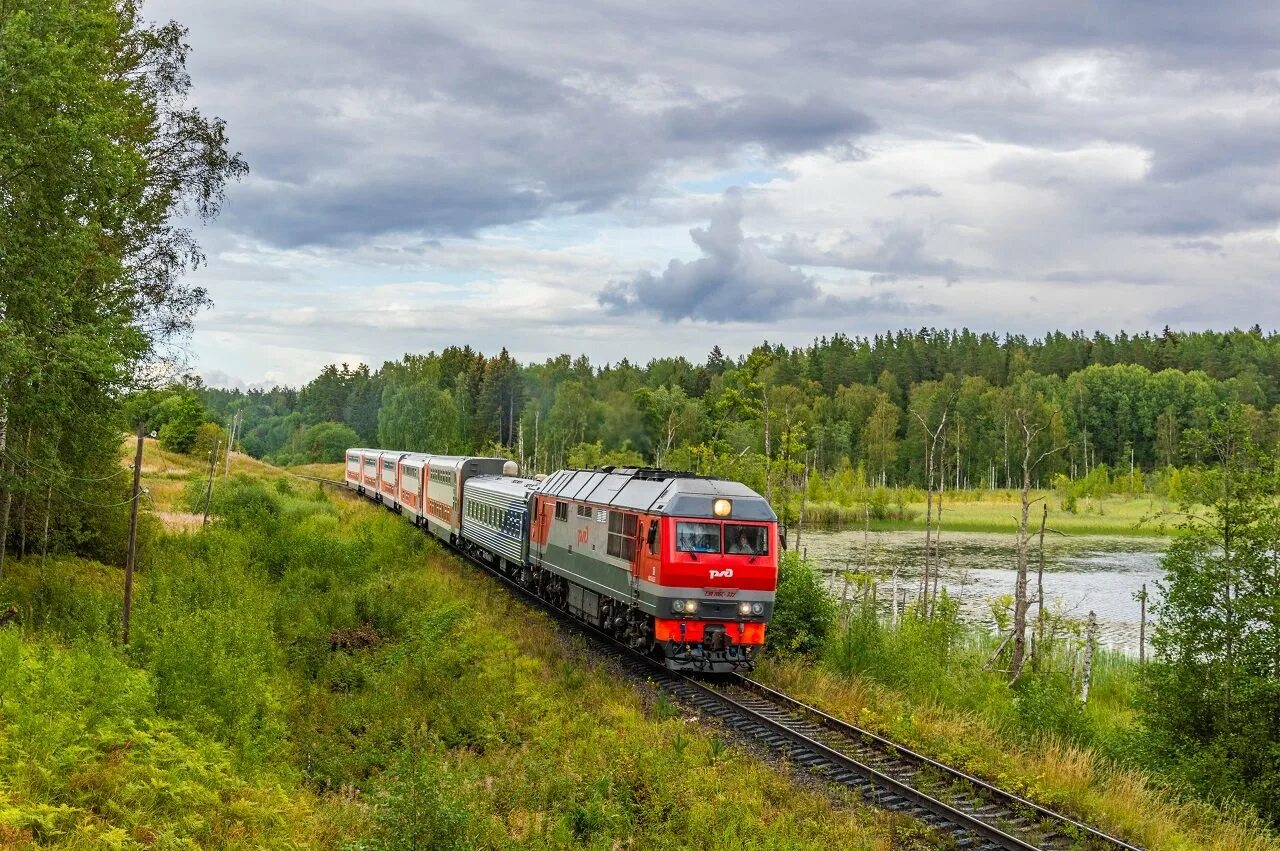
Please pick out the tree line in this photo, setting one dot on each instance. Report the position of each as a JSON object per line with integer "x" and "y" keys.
{"x": 1125, "y": 402}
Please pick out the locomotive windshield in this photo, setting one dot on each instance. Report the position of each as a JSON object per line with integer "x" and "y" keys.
{"x": 746, "y": 540}
{"x": 698, "y": 537}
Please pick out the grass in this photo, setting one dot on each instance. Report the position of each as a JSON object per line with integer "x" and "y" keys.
{"x": 925, "y": 684}
{"x": 997, "y": 511}
{"x": 312, "y": 672}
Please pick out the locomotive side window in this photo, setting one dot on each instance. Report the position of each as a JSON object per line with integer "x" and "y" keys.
{"x": 562, "y": 510}
{"x": 746, "y": 540}
{"x": 622, "y": 535}
{"x": 584, "y": 511}
{"x": 698, "y": 537}
{"x": 653, "y": 537}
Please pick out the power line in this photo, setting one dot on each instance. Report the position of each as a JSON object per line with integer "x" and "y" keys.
{"x": 16, "y": 456}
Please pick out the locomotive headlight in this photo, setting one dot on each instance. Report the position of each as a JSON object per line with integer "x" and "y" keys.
{"x": 744, "y": 609}
{"x": 722, "y": 507}
{"x": 677, "y": 606}
{"x": 690, "y": 606}
{"x": 757, "y": 608}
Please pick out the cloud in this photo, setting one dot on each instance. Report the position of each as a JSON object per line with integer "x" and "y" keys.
{"x": 898, "y": 250}
{"x": 514, "y": 157}
{"x": 779, "y": 125}
{"x": 733, "y": 281}
{"x": 919, "y": 190}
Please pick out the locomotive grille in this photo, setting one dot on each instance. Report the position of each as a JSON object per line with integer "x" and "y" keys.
{"x": 718, "y": 609}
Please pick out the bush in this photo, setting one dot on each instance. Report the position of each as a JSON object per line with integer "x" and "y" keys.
{"x": 209, "y": 435}
{"x": 180, "y": 416}
{"x": 804, "y": 611}
{"x": 419, "y": 806}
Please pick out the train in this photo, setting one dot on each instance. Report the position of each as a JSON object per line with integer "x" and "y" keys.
{"x": 677, "y": 565}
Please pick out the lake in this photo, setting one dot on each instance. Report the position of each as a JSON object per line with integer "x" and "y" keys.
{"x": 1082, "y": 573}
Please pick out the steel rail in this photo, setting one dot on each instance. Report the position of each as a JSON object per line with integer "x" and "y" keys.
{"x": 869, "y": 738}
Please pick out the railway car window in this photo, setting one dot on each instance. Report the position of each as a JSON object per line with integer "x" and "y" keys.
{"x": 622, "y": 535}
{"x": 746, "y": 540}
{"x": 653, "y": 537}
{"x": 562, "y": 510}
{"x": 698, "y": 537}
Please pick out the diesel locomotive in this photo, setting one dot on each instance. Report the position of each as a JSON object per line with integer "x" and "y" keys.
{"x": 681, "y": 566}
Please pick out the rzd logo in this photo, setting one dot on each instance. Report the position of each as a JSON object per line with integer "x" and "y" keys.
{"x": 727, "y": 573}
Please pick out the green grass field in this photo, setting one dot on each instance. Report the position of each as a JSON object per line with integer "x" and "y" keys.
{"x": 997, "y": 511}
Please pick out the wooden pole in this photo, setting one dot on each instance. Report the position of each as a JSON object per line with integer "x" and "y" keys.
{"x": 231, "y": 441}
{"x": 130, "y": 560}
{"x": 208, "y": 494}
{"x": 44, "y": 547}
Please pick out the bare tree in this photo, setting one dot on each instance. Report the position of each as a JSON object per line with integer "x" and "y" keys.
{"x": 1031, "y": 428}
{"x": 930, "y": 456}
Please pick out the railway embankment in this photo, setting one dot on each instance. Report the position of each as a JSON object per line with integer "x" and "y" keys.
{"x": 310, "y": 672}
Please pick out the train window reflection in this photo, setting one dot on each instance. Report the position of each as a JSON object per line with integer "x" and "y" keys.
{"x": 698, "y": 537}
{"x": 746, "y": 540}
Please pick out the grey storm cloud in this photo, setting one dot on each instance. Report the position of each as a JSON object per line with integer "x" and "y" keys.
{"x": 734, "y": 281}
{"x": 898, "y": 250}
{"x": 919, "y": 190}
{"x": 449, "y": 119}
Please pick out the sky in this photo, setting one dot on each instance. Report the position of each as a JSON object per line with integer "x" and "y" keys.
{"x": 652, "y": 178}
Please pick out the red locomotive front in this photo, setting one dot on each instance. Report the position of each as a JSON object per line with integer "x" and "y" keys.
{"x": 681, "y": 565}
{"x": 718, "y": 575}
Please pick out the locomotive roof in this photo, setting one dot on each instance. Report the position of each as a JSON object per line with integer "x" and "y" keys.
{"x": 509, "y": 485}
{"x": 657, "y": 491}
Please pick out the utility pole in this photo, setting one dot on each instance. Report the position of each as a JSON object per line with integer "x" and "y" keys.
{"x": 231, "y": 440}
{"x": 133, "y": 534}
{"x": 208, "y": 494}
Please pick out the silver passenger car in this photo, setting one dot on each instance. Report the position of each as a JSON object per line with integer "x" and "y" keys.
{"x": 495, "y": 515}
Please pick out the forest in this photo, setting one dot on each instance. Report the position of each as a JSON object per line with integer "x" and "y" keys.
{"x": 1131, "y": 403}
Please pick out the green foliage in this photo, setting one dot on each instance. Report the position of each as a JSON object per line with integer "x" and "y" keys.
{"x": 179, "y": 417}
{"x": 210, "y": 436}
{"x": 1212, "y": 693}
{"x": 804, "y": 612}
{"x": 591, "y": 455}
{"x": 420, "y": 806}
{"x": 101, "y": 158}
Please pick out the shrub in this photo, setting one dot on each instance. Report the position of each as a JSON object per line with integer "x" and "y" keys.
{"x": 804, "y": 610}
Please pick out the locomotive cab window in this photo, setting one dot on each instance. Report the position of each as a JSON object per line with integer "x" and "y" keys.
{"x": 746, "y": 540}
{"x": 622, "y": 535}
{"x": 698, "y": 537}
{"x": 562, "y": 510}
{"x": 653, "y": 537}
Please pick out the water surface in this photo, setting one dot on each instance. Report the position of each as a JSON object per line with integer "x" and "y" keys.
{"x": 1082, "y": 572}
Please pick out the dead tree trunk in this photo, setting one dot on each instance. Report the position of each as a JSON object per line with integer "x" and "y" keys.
{"x": 804, "y": 494}
{"x": 930, "y": 455}
{"x": 1142, "y": 626}
{"x": 1091, "y": 639}
{"x": 1039, "y": 642}
{"x": 1030, "y": 432}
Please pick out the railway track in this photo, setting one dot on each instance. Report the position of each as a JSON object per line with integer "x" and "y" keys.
{"x": 970, "y": 812}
